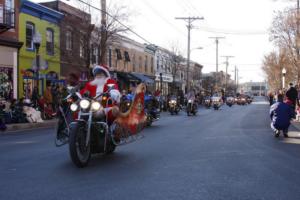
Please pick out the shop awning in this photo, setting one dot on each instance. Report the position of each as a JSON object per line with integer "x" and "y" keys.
{"x": 128, "y": 76}
{"x": 143, "y": 78}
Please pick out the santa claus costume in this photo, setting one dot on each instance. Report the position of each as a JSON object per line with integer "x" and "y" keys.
{"x": 103, "y": 84}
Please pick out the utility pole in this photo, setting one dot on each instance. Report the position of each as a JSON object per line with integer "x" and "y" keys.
{"x": 235, "y": 78}
{"x": 217, "y": 57}
{"x": 189, "y": 21}
{"x": 103, "y": 59}
{"x": 227, "y": 64}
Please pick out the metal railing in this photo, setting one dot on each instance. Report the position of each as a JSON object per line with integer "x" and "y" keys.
{"x": 7, "y": 17}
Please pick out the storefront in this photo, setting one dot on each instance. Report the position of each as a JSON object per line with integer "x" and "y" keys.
{"x": 164, "y": 83}
{"x": 8, "y": 72}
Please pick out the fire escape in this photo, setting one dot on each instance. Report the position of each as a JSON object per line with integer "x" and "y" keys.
{"x": 7, "y": 19}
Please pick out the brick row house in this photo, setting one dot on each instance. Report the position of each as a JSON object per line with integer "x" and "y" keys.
{"x": 75, "y": 39}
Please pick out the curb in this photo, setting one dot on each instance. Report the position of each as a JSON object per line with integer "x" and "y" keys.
{"x": 11, "y": 128}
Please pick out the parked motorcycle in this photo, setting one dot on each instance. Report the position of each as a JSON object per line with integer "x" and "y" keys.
{"x": 17, "y": 112}
{"x": 229, "y": 101}
{"x": 174, "y": 106}
{"x": 216, "y": 102}
{"x": 191, "y": 107}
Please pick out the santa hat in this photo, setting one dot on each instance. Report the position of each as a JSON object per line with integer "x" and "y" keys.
{"x": 101, "y": 68}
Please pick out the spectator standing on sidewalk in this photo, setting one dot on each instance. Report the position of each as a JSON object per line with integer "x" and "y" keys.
{"x": 292, "y": 95}
{"x": 281, "y": 115}
{"x": 48, "y": 95}
{"x": 271, "y": 98}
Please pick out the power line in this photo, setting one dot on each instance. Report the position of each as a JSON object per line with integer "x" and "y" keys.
{"x": 162, "y": 17}
{"x": 129, "y": 29}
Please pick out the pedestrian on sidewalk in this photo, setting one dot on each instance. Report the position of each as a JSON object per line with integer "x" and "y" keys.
{"x": 281, "y": 115}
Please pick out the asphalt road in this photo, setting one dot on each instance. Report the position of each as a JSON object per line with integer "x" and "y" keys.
{"x": 226, "y": 154}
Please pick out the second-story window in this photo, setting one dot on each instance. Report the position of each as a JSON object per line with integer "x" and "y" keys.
{"x": 146, "y": 63}
{"x": 133, "y": 63}
{"x": 81, "y": 47}
{"x": 29, "y": 35}
{"x": 140, "y": 63}
{"x": 152, "y": 64}
{"x": 50, "y": 41}
{"x": 95, "y": 54}
{"x": 68, "y": 40}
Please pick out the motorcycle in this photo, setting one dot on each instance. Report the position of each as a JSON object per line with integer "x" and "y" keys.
{"x": 207, "y": 103}
{"x": 90, "y": 132}
{"x": 242, "y": 101}
{"x": 173, "y": 106}
{"x": 151, "y": 110}
{"x": 229, "y": 101}
{"x": 249, "y": 99}
{"x": 191, "y": 107}
{"x": 216, "y": 102}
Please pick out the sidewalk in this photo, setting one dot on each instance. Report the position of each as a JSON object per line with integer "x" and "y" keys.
{"x": 296, "y": 125}
{"x": 29, "y": 126}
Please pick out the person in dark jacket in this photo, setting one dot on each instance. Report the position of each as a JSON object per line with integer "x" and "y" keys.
{"x": 292, "y": 95}
{"x": 281, "y": 115}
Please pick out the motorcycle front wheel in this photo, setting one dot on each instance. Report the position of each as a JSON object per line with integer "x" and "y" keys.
{"x": 79, "y": 152}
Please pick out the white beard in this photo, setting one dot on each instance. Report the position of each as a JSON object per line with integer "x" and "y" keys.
{"x": 99, "y": 82}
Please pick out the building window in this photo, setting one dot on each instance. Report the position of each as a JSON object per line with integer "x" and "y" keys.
{"x": 69, "y": 40}
{"x": 95, "y": 54}
{"x": 29, "y": 35}
{"x": 119, "y": 55}
{"x": 50, "y": 41}
{"x": 126, "y": 55}
{"x": 133, "y": 63}
{"x": 146, "y": 63}
{"x": 81, "y": 47}
{"x": 152, "y": 64}
{"x": 140, "y": 63}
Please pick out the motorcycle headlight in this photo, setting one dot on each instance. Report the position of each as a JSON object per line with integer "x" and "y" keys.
{"x": 74, "y": 107}
{"x": 84, "y": 104}
{"x": 190, "y": 101}
{"x": 96, "y": 106}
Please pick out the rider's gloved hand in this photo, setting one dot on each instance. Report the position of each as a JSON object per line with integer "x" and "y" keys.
{"x": 115, "y": 95}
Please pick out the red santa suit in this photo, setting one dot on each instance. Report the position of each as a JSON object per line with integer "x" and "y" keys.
{"x": 99, "y": 86}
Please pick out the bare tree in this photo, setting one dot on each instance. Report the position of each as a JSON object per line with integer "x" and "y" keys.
{"x": 176, "y": 59}
{"x": 116, "y": 16}
{"x": 284, "y": 34}
{"x": 273, "y": 64}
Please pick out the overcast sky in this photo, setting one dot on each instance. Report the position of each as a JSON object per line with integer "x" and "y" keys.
{"x": 243, "y": 23}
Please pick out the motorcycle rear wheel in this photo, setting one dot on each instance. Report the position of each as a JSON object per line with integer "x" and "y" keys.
{"x": 79, "y": 152}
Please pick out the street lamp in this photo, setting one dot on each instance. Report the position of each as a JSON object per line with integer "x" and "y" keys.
{"x": 37, "y": 40}
{"x": 283, "y": 77}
